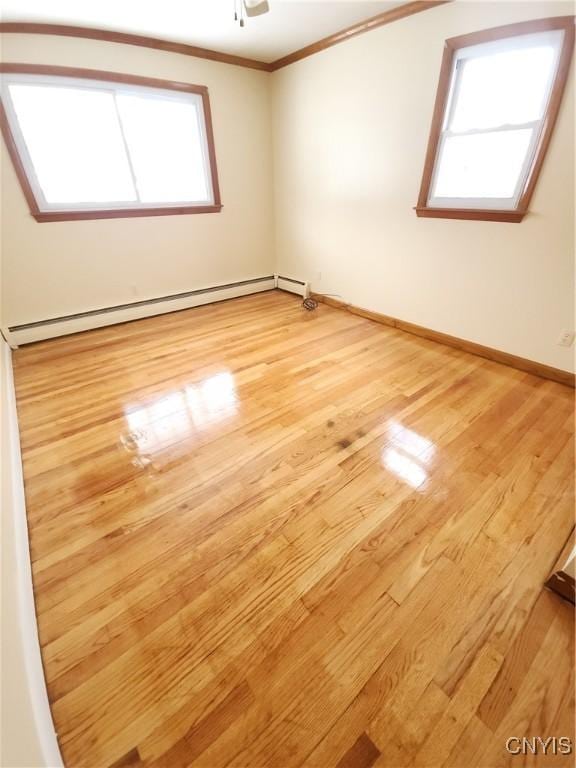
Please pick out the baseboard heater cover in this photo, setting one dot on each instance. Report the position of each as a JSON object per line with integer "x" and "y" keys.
{"x": 290, "y": 284}
{"x": 38, "y": 330}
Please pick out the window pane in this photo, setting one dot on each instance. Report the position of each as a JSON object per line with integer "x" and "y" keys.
{"x": 165, "y": 144}
{"x": 481, "y": 164}
{"x": 504, "y": 88}
{"x": 75, "y": 143}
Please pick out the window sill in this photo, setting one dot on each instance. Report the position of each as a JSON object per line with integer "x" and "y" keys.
{"x": 472, "y": 214}
{"x": 123, "y": 213}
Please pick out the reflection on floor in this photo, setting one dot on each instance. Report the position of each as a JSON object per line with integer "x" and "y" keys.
{"x": 267, "y": 537}
{"x": 174, "y": 416}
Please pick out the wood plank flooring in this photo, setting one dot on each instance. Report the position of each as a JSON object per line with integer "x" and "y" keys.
{"x": 266, "y": 538}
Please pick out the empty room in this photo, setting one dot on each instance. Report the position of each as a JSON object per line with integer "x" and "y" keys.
{"x": 288, "y": 318}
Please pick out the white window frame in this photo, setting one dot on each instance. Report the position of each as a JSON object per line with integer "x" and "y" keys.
{"x": 44, "y": 210}
{"x": 554, "y": 38}
{"x": 456, "y": 47}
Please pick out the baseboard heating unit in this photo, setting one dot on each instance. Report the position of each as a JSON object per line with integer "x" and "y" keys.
{"x": 121, "y": 313}
{"x": 291, "y": 285}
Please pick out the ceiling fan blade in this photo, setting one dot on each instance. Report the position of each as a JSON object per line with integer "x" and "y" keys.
{"x": 256, "y": 7}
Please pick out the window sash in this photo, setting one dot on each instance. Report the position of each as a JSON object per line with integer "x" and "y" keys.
{"x": 113, "y": 88}
{"x": 462, "y": 56}
{"x": 502, "y": 203}
{"x": 558, "y": 31}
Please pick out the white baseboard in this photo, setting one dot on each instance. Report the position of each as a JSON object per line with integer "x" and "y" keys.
{"x": 33, "y": 729}
{"x": 86, "y": 321}
{"x": 290, "y": 284}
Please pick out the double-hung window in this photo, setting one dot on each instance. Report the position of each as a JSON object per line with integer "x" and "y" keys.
{"x": 89, "y": 144}
{"x": 497, "y": 101}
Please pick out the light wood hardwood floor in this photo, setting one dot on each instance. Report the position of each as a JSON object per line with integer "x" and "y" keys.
{"x": 267, "y": 538}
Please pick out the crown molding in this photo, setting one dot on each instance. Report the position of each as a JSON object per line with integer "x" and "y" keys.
{"x": 387, "y": 17}
{"x": 126, "y": 38}
{"x": 109, "y": 36}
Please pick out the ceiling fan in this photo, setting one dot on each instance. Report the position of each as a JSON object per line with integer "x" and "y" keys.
{"x": 250, "y": 8}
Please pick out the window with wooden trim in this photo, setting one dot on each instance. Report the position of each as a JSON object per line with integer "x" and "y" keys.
{"x": 89, "y": 144}
{"x": 498, "y": 98}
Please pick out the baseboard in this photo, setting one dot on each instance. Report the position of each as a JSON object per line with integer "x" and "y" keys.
{"x": 562, "y": 579}
{"x": 496, "y": 355}
{"x": 97, "y": 318}
{"x": 291, "y": 285}
{"x": 31, "y": 726}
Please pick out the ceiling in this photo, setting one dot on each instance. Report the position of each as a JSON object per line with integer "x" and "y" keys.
{"x": 290, "y": 24}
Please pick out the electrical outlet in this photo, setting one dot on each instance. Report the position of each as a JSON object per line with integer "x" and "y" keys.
{"x": 566, "y": 338}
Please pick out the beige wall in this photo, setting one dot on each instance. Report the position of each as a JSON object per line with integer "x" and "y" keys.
{"x": 19, "y": 743}
{"x": 350, "y": 127}
{"x": 54, "y": 269}
{"x": 350, "y": 131}
{"x": 27, "y": 738}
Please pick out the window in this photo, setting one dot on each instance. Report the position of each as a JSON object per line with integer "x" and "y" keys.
{"x": 89, "y": 144}
{"x": 496, "y": 104}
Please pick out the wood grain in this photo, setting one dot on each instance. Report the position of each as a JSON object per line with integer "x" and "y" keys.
{"x": 497, "y": 355}
{"x": 562, "y": 579}
{"x": 267, "y": 537}
{"x": 469, "y": 214}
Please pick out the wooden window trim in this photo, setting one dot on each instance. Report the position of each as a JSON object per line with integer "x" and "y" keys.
{"x": 451, "y": 46}
{"x": 108, "y": 213}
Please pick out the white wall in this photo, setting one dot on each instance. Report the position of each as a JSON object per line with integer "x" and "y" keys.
{"x": 58, "y": 268}
{"x": 350, "y": 128}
